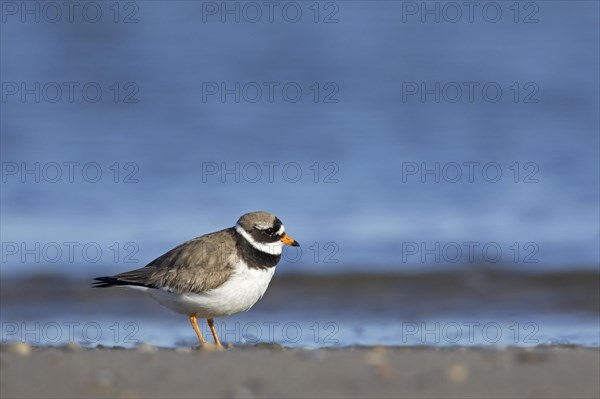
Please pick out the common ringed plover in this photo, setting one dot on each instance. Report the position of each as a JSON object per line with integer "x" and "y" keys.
{"x": 217, "y": 274}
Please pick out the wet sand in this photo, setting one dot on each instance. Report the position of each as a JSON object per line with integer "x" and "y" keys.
{"x": 254, "y": 372}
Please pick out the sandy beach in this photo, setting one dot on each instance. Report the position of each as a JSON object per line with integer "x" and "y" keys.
{"x": 253, "y": 372}
{"x": 34, "y": 365}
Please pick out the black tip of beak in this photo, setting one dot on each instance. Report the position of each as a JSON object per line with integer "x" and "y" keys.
{"x": 295, "y": 244}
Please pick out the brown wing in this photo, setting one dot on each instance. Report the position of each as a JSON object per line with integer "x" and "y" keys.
{"x": 195, "y": 266}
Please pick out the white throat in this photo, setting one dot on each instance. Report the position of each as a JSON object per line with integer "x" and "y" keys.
{"x": 271, "y": 248}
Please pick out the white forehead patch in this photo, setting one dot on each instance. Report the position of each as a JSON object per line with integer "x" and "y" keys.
{"x": 281, "y": 230}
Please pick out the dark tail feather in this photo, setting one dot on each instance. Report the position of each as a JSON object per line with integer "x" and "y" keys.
{"x": 103, "y": 282}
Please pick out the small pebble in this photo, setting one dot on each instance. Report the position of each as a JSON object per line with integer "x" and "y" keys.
{"x": 458, "y": 373}
{"x": 20, "y": 348}
{"x": 72, "y": 347}
{"x": 377, "y": 359}
{"x": 183, "y": 350}
{"x": 146, "y": 348}
{"x": 208, "y": 347}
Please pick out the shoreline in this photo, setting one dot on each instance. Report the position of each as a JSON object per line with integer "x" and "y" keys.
{"x": 427, "y": 309}
{"x": 274, "y": 371}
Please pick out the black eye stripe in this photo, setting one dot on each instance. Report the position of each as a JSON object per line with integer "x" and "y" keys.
{"x": 276, "y": 226}
{"x": 262, "y": 233}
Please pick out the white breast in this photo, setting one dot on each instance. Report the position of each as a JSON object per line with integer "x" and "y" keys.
{"x": 243, "y": 289}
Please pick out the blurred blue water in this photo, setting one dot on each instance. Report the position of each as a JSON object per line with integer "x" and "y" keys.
{"x": 307, "y": 332}
{"x": 440, "y": 309}
{"x": 362, "y": 202}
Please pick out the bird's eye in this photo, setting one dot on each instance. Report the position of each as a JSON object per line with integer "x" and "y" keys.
{"x": 269, "y": 231}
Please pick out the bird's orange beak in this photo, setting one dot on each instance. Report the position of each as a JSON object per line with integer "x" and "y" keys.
{"x": 287, "y": 240}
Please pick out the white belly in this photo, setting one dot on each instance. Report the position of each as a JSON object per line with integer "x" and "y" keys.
{"x": 244, "y": 288}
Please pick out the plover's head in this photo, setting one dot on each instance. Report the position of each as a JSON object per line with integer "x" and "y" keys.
{"x": 264, "y": 232}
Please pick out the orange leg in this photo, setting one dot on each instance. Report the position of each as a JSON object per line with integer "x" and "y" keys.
{"x": 194, "y": 323}
{"x": 211, "y": 324}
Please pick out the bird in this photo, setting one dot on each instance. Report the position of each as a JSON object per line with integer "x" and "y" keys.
{"x": 215, "y": 275}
